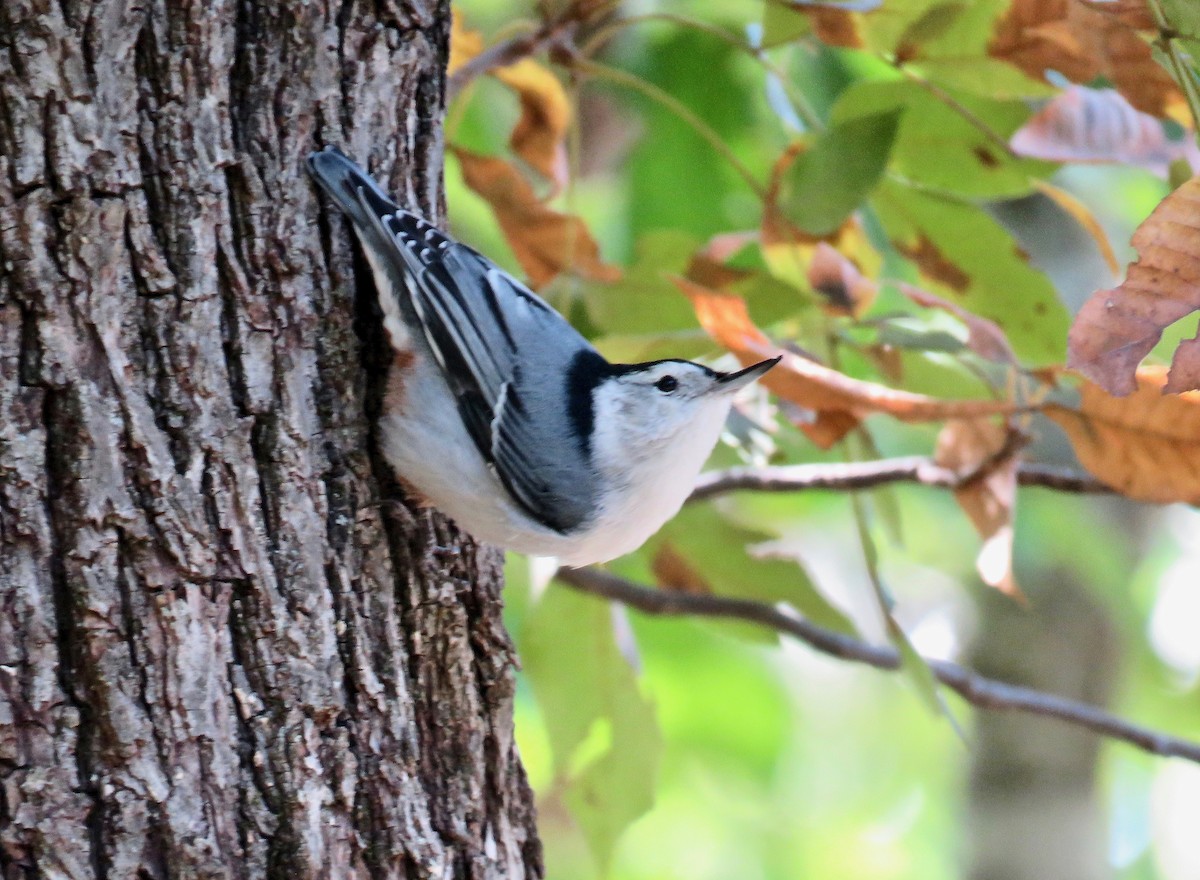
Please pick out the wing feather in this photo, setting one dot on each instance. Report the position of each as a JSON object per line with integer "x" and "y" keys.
{"x": 483, "y": 325}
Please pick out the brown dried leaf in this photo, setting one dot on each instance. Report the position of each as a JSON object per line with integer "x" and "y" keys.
{"x": 843, "y": 401}
{"x": 539, "y": 136}
{"x": 984, "y": 337}
{"x": 966, "y": 446}
{"x": 1146, "y": 446}
{"x": 888, "y": 360}
{"x": 1082, "y": 44}
{"x": 1131, "y": 13}
{"x": 1099, "y": 125}
{"x": 673, "y": 571}
{"x": 839, "y": 281}
{"x": 933, "y": 263}
{"x": 707, "y": 266}
{"x": 834, "y": 27}
{"x": 1116, "y": 328}
{"x": 545, "y": 242}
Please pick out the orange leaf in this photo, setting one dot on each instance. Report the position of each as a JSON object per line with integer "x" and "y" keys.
{"x": 965, "y": 446}
{"x": 1116, "y": 328}
{"x": 1146, "y": 446}
{"x": 1082, "y": 44}
{"x": 838, "y": 399}
{"x": 539, "y": 135}
{"x": 545, "y": 242}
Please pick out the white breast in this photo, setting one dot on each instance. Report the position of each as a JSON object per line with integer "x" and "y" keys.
{"x": 647, "y": 481}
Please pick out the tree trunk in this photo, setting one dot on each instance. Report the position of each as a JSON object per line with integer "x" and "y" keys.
{"x": 1034, "y": 808}
{"x": 220, "y": 654}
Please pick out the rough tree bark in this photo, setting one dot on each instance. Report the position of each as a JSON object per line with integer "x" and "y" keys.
{"x": 220, "y": 655}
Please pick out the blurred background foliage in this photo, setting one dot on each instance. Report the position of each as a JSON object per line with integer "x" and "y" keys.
{"x": 674, "y": 748}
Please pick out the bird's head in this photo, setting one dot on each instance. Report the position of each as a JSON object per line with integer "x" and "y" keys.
{"x": 671, "y": 407}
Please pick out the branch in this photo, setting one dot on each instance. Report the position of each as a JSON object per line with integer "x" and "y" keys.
{"x": 552, "y": 34}
{"x": 983, "y": 692}
{"x": 867, "y": 474}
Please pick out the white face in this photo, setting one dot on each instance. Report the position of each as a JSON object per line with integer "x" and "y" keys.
{"x": 666, "y": 400}
{"x": 655, "y": 426}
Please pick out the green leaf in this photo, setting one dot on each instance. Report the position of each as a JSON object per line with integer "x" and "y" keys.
{"x": 832, "y": 178}
{"x": 932, "y": 23}
{"x": 676, "y": 180}
{"x": 882, "y": 30}
{"x": 645, "y": 301}
{"x": 940, "y": 147}
{"x": 969, "y": 33}
{"x": 720, "y": 552}
{"x": 960, "y": 249}
{"x": 902, "y": 335}
{"x": 782, "y": 24}
{"x": 988, "y": 77}
{"x": 1183, "y": 16}
{"x": 603, "y": 732}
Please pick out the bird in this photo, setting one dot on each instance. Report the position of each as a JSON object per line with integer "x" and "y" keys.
{"x": 503, "y": 416}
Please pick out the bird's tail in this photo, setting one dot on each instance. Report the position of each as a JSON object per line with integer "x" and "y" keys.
{"x": 350, "y": 187}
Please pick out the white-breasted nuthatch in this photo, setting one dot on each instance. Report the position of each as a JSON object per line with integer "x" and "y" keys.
{"x": 506, "y": 418}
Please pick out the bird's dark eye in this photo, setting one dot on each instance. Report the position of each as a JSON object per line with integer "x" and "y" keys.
{"x": 667, "y": 384}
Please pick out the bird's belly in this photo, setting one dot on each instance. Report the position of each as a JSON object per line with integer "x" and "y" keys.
{"x": 425, "y": 442}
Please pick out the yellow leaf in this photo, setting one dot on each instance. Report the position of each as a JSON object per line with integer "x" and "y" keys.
{"x": 837, "y": 266}
{"x": 465, "y": 43}
{"x": 544, "y": 241}
{"x": 540, "y": 134}
{"x": 1146, "y": 445}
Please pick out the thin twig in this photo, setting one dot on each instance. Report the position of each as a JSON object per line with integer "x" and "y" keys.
{"x": 868, "y": 474}
{"x": 507, "y": 52}
{"x": 977, "y": 690}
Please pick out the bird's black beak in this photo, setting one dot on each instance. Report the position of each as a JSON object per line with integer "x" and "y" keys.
{"x": 730, "y": 382}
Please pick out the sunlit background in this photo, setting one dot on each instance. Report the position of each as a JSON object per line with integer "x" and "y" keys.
{"x": 754, "y": 758}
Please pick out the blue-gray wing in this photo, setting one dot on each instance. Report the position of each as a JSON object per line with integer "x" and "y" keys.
{"x": 504, "y": 352}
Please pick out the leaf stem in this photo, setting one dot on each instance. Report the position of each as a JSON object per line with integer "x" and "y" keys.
{"x": 673, "y": 104}
{"x": 803, "y": 107}
{"x": 962, "y": 110}
{"x": 1179, "y": 66}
